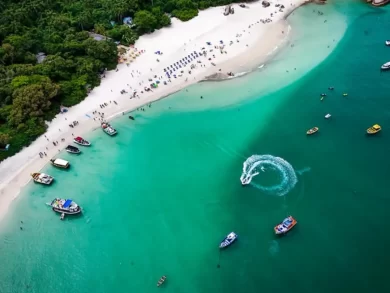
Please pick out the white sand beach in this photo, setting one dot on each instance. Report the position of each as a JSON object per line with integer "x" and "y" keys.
{"x": 244, "y": 40}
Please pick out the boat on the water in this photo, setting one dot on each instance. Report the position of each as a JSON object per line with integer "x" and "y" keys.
{"x": 312, "y": 130}
{"x": 247, "y": 178}
{"x": 107, "y": 128}
{"x": 72, "y": 149}
{"x": 327, "y": 116}
{"x": 161, "y": 281}
{"x": 42, "y": 178}
{"x": 387, "y": 42}
{"x": 287, "y": 224}
{"x": 60, "y": 163}
{"x": 374, "y": 129}
{"x": 81, "y": 141}
{"x": 229, "y": 239}
{"x": 386, "y": 66}
{"x": 131, "y": 117}
{"x": 65, "y": 206}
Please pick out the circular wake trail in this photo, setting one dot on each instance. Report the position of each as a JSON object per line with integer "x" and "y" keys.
{"x": 256, "y": 164}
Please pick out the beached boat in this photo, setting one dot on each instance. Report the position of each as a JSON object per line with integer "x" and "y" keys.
{"x": 312, "y": 130}
{"x": 229, "y": 239}
{"x": 42, "y": 178}
{"x": 374, "y": 129}
{"x": 287, "y": 224}
{"x": 81, "y": 141}
{"x": 386, "y": 66}
{"x": 387, "y": 42}
{"x": 72, "y": 149}
{"x": 60, "y": 163}
{"x": 107, "y": 128}
{"x": 161, "y": 281}
{"x": 65, "y": 206}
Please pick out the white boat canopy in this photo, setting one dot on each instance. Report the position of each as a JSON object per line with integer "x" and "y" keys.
{"x": 61, "y": 162}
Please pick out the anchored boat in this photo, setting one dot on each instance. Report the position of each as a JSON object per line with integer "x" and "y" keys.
{"x": 60, "y": 163}
{"x": 72, "y": 149}
{"x": 387, "y": 42}
{"x": 229, "y": 239}
{"x": 312, "y": 130}
{"x": 287, "y": 224}
{"x": 42, "y": 178}
{"x": 107, "y": 128}
{"x": 374, "y": 129}
{"x": 81, "y": 141}
{"x": 161, "y": 281}
{"x": 65, "y": 206}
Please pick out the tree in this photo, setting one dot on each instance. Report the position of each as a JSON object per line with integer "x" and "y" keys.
{"x": 146, "y": 22}
{"x": 124, "y": 34}
{"x": 31, "y": 101}
{"x": 4, "y": 138}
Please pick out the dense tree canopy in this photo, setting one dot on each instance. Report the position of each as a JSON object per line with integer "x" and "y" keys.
{"x": 31, "y": 91}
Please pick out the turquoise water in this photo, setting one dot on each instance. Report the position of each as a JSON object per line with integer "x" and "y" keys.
{"x": 160, "y": 196}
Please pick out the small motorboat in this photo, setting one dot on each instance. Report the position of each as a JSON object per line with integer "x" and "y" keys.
{"x": 247, "y": 178}
{"x": 312, "y": 130}
{"x": 345, "y": 94}
{"x": 387, "y": 42}
{"x": 327, "y": 116}
{"x": 287, "y": 224}
{"x": 331, "y": 88}
{"x": 131, "y": 117}
{"x": 322, "y": 98}
{"x": 65, "y": 206}
{"x": 60, "y": 163}
{"x": 386, "y": 66}
{"x": 107, "y": 128}
{"x": 229, "y": 239}
{"x": 323, "y": 95}
{"x": 161, "y": 281}
{"x": 72, "y": 149}
{"x": 81, "y": 141}
{"x": 374, "y": 129}
{"x": 42, "y": 178}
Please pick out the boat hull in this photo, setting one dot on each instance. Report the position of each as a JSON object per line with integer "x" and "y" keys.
{"x": 44, "y": 183}
{"x": 83, "y": 144}
{"x": 67, "y": 212}
{"x": 73, "y": 152}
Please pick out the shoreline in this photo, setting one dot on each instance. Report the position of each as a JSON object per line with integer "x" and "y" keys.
{"x": 15, "y": 171}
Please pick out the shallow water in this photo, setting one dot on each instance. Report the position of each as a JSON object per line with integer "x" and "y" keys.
{"x": 159, "y": 197}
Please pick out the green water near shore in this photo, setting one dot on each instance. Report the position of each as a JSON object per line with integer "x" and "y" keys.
{"x": 160, "y": 196}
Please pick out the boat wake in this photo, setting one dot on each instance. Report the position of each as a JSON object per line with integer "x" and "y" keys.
{"x": 304, "y": 170}
{"x": 257, "y": 164}
{"x": 273, "y": 247}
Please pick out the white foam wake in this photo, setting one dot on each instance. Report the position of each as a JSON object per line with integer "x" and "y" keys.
{"x": 256, "y": 164}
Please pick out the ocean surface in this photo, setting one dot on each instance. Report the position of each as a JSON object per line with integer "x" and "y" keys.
{"x": 160, "y": 196}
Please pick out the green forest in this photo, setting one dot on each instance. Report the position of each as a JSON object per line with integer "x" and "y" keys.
{"x": 31, "y": 91}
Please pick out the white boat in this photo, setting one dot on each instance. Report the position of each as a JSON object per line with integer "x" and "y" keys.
{"x": 386, "y": 66}
{"x": 229, "y": 239}
{"x": 81, "y": 141}
{"x": 247, "y": 178}
{"x": 72, "y": 149}
{"x": 42, "y": 178}
{"x": 327, "y": 116}
{"x": 60, "y": 163}
{"x": 107, "y": 128}
{"x": 65, "y": 206}
{"x": 387, "y": 42}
